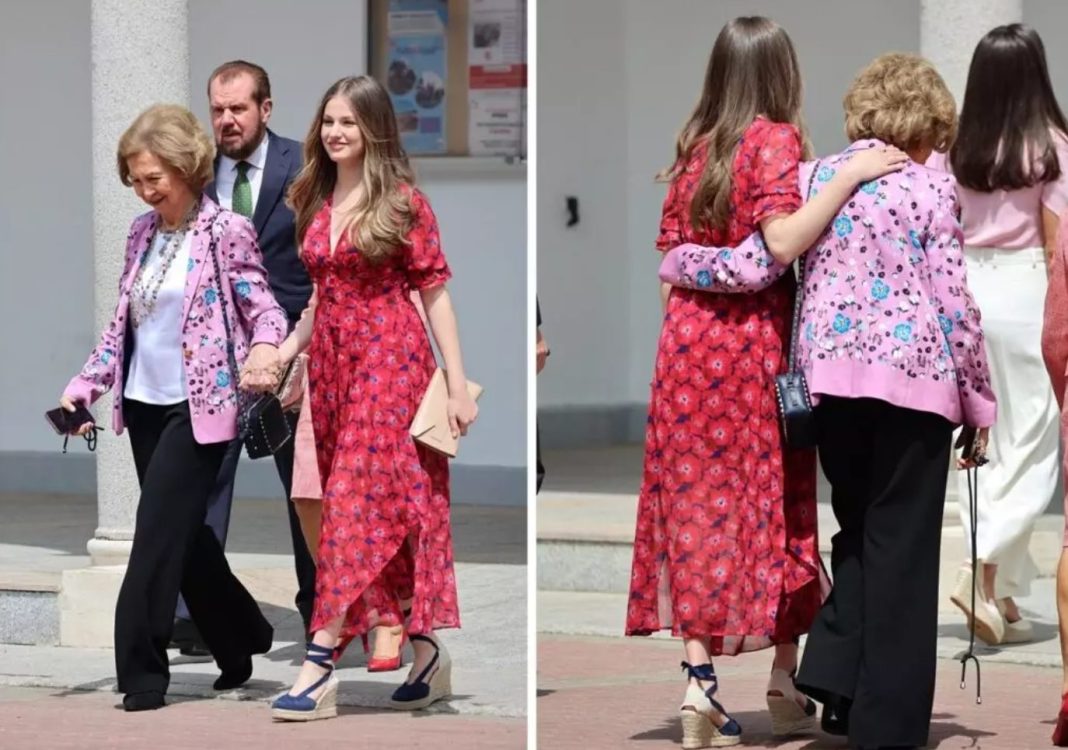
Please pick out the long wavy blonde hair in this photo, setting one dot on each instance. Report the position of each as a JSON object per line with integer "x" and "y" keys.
{"x": 379, "y": 222}
{"x": 752, "y": 71}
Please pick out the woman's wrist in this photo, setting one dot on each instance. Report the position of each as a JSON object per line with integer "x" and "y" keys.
{"x": 287, "y": 351}
{"x": 457, "y": 384}
{"x": 849, "y": 175}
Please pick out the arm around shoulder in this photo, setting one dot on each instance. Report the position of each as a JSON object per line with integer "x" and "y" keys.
{"x": 748, "y": 268}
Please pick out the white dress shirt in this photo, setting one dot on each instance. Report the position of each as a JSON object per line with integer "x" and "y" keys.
{"x": 227, "y": 175}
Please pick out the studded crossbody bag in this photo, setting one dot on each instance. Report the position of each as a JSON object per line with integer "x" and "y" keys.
{"x": 791, "y": 389}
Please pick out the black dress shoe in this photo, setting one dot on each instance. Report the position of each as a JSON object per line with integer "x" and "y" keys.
{"x": 197, "y": 650}
{"x": 835, "y": 718}
{"x": 187, "y": 639}
{"x": 182, "y": 630}
{"x": 146, "y": 701}
{"x": 232, "y": 678}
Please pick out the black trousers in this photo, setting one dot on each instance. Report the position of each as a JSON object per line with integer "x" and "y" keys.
{"x": 218, "y": 518}
{"x": 173, "y": 550}
{"x": 873, "y": 641}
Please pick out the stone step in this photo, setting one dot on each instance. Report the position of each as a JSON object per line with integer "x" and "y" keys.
{"x": 29, "y": 607}
{"x": 75, "y": 606}
{"x": 585, "y": 541}
{"x": 603, "y": 615}
{"x": 51, "y": 595}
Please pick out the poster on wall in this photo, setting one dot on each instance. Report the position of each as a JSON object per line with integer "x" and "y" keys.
{"x": 417, "y": 72}
{"x": 497, "y": 78}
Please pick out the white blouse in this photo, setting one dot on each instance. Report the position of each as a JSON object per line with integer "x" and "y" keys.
{"x": 156, "y": 373}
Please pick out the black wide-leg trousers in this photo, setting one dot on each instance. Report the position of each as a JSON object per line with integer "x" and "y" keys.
{"x": 173, "y": 550}
{"x": 873, "y": 642}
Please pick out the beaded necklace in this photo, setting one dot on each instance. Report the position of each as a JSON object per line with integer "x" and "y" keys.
{"x": 146, "y": 289}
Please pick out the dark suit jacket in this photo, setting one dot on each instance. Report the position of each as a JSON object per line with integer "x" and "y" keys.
{"x": 275, "y": 225}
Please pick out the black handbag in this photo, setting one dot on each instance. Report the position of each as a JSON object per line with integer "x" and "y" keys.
{"x": 261, "y": 422}
{"x": 791, "y": 390}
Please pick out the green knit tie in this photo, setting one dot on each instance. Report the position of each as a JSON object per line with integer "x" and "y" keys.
{"x": 242, "y": 201}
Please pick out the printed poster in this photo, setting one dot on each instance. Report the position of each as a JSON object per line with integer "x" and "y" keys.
{"x": 417, "y": 72}
{"x": 497, "y": 77}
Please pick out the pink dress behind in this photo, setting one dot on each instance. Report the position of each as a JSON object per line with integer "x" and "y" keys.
{"x": 307, "y": 484}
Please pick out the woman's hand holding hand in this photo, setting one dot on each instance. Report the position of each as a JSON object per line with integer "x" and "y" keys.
{"x": 262, "y": 369}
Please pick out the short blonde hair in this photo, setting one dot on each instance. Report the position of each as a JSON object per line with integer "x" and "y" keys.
{"x": 901, "y": 100}
{"x": 175, "y": 137}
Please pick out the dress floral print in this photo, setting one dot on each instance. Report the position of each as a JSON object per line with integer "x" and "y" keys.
{"x": 726, "y": 544}
{"x": 386, "y": 535}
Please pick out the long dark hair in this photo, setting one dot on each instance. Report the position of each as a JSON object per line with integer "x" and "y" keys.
{"x": 752, "y": 71}
{"x": 1004, "y": 140}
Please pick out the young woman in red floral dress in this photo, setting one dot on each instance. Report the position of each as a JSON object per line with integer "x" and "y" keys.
{"x": 726, "y": 550}
{"x": 370, "y": 241}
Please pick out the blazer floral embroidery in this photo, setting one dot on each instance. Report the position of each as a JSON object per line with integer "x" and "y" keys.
{"x": 887, "y": 313}
{"x": 255, "y": 318}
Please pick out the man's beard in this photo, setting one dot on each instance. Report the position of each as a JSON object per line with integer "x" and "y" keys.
{"x": 242, "y": 152}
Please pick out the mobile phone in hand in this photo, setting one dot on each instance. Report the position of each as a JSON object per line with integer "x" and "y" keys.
{"x": 67, "y": 422}
{"x": 968, "y": 443}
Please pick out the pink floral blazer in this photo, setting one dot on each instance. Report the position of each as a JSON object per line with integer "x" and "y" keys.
{"x": 255, "y": 318}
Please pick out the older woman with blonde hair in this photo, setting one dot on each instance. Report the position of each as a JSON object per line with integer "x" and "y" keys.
{"x": 889, "y": 340}
{"x": 192, "y": 287}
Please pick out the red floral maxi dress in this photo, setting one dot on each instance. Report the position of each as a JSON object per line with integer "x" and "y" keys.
{"x": 386, "y": 535}
{"x": 726, "y": 545}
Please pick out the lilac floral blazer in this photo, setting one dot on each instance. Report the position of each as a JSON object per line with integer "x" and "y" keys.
{"x": 887, "y": 313}
{"x": 255, "y": 318}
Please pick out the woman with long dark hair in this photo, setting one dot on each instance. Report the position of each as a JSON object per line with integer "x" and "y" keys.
{"x": 1011, "y": 164}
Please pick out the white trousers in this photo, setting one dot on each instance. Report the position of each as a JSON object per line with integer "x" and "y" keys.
{"x": 1019, "y": 482}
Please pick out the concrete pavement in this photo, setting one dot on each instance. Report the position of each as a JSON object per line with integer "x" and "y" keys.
{"x": 39, "y": 719}
{"x": 624, "y": 693}
{"x": 46, "y": 534}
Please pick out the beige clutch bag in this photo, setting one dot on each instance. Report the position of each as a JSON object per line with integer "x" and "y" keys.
{"x": 294, "y": 383}
{"x": 431, "y": 424}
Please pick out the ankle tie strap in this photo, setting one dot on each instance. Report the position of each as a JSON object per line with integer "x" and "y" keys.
{"x": 322, "y": 656}
{"x": 424, "y": 675}
{"x": 702, "y": 673}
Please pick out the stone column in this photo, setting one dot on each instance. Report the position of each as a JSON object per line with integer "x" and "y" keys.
{"x": 140, "y": 57}
{"x": 950, "y": 29}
